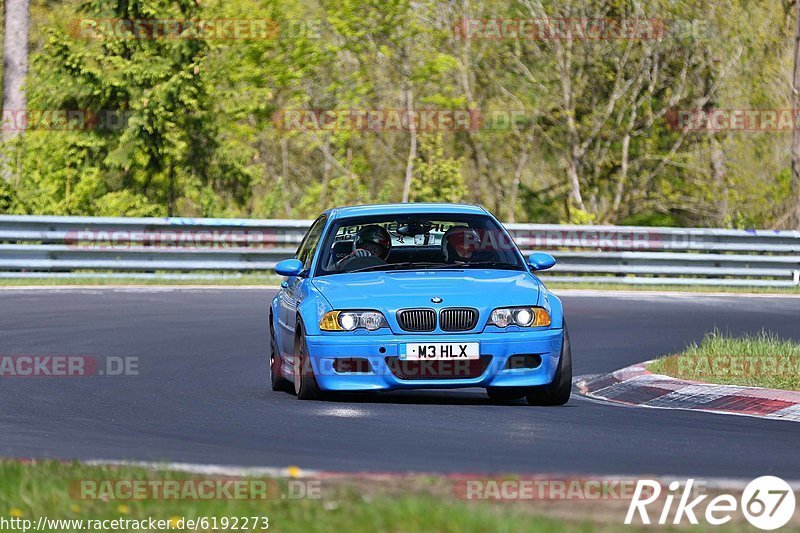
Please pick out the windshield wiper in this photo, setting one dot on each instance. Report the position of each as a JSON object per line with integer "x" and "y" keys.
{"x": 413, "y": 264}
{"x": 490, "y": 264}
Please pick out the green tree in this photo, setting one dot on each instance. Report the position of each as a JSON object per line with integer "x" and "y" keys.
{"x": 438, "y": 178}
{"x": 156, "y": 138}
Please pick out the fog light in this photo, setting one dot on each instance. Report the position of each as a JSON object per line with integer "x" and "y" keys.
{"x": 352, "y": 365}
{"x": 527, "y": 361}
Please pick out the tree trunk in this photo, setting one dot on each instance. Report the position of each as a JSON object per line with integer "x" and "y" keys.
{"x": 412, "y": 150}
{"x": 795, "y": 200}
{"x": 326, "y": 173}
{"x": 521, "y": 163}
{"x": 718, "y": 177}
{"x": 283, "y": 182}
{"x": 171, "y": 199}
{"x": 573, "y": 161}
{"x": 623, "y": 173}
{"x": 15, "y": 68}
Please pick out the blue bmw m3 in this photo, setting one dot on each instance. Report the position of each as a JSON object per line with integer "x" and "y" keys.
{"x": 411, "y": 296}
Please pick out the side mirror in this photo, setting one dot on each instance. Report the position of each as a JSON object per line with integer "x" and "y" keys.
{"x": 289, "y": 267}
{"x": 541, "y": 261}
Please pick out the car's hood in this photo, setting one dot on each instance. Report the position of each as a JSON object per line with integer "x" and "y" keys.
{"x": 389, "y": 291}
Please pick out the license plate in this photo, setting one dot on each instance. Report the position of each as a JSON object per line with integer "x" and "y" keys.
{"x": 441, "y": 351}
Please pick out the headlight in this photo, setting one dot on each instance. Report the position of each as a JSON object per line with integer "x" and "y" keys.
{"x": 350, "y": 320}
{"x": 519, "y": 316}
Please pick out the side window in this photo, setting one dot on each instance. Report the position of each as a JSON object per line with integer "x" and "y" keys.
{"x": 305, "y": 252}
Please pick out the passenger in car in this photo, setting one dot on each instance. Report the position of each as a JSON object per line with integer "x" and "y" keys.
{"x": 459, "y": 244}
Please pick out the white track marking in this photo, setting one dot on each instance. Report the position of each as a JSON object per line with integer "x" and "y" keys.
{"x": 720, "y": 483}
{"x": 213, "y": 470}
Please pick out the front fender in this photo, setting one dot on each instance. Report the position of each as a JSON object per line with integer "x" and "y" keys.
{"x": 273, "y": 311}
{"x": 311, "y": 308}
{"x": 554, "y": 307}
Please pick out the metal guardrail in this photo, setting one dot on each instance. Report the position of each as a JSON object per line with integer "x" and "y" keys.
{"x": 183, "y": 248}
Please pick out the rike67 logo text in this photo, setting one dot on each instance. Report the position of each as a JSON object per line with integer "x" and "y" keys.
{"x": 767, "y": 502}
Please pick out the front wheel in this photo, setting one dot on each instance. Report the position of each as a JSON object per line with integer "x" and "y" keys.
{"x": 278, "y": 382}
{"x": 305, "y": 383}
{"x": 559, "y": 391}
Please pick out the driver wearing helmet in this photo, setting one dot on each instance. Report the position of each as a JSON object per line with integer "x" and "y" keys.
{"x": 459, "y": 243}
{"x": 371, "y": 246}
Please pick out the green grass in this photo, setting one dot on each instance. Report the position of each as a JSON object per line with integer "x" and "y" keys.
{"x": 760, "y": 360}
{"x": 407, "y": 503}
{"x": 43, "y": 489}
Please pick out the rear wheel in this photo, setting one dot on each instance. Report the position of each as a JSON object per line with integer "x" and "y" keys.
{"x": 305, "y": 383}
{"x": 279, "y": 383}
{"x": 559, "y": 391}
{"x": 503, "y": 395}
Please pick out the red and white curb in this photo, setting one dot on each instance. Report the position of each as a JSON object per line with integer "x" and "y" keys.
{"x": 635, "y": 385}
{"x": 212, "y": 470}
{"x": 295, "y": 472}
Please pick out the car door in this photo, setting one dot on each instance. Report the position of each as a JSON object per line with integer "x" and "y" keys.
{"x": 291, "y": 288}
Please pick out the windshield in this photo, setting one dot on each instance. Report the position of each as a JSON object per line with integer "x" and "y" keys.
{"x": 417, "y": 242}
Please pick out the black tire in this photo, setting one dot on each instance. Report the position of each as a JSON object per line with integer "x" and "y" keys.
{"x": 305, "y": 383}
{"x": 559, "y": 391}
{"x": 504, "y": 395}
{"x": 279, "y": 383}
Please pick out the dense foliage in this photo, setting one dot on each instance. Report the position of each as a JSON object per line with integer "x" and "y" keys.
{"x": 571, "y": 130}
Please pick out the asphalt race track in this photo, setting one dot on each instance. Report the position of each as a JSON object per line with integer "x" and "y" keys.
{"x": 202, "y": 393}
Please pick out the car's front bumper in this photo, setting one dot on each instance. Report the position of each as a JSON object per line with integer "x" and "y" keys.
{"x": 377, "y": 348}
